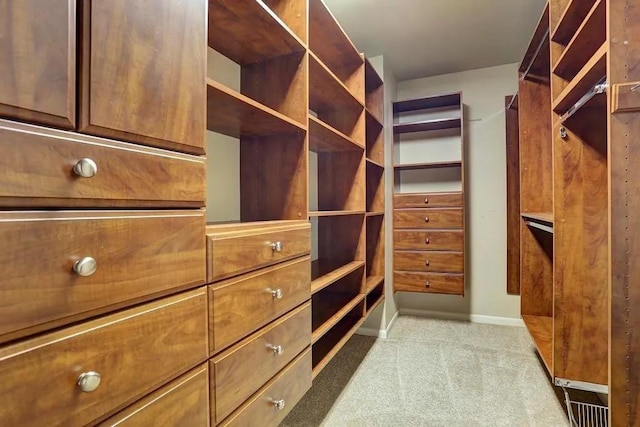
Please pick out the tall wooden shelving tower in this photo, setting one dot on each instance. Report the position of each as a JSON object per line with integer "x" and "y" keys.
{"x": 578, "y": 184}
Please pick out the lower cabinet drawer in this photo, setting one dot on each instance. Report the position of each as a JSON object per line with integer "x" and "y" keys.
{"x": 182, "y": 402}
{"x": 435, "y": 283}
{"x": 439, "y": 262}
{"x": 424, "y": 200}
{"x": 80, "y": 374}
{"x": 244, "y": 304}
{"x": 428, "y": 218}
{"x": 425, "y": 240}
{"x": 59, "y": 267}
{"x": 269, "y": 406}
{"x": 245, "y": 368}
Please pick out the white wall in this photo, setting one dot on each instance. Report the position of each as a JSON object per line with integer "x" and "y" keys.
{"x": 483, "y": 94}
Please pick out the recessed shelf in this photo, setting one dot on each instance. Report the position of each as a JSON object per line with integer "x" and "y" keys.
{"x": 372, "y": 78}
{"x": 324, "y": 138}
{"x": 247, "y": 31}
{"x": 372, "y": 282}
{"x": 541, "y": 330}
{"x": 427, "y": 125}
{"x": 438, "y": 101}
{"x": 373, "y": 305}
{"x": 371, "y": 214}
{"x": 334, "y": 213}
{"x": 326, "y": 91}
{"x": 333, "y": 276}
{"x": 341, "y": 333}
{"x": 587, "y": 39}
{"x": 413, "y": 166}
{"x": 372, "y": 120}
{"x": 591, "y": 74}
{"x": 536, "y": 61}
{"x": 374, "y": 163}
{"x": 236, "y": 115}
{"x": 571, "y": 19}
{"x": 325, "y": 313}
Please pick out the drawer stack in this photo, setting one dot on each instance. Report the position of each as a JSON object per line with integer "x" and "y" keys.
{"x": 103, "y": 308}
{"x": 429, "y": 243}
{"x": 259, "y": 320}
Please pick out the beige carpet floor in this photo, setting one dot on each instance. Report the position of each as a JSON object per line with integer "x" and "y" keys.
{"x": 434, "y": 373}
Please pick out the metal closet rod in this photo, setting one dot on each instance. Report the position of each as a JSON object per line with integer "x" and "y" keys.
{"x": 600, "y": 87}
{"x": 535, "y": 55}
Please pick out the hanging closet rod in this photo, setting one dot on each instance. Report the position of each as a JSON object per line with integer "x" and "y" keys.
{"x": 545, "y": 38}
{"x": 599, "y": 88}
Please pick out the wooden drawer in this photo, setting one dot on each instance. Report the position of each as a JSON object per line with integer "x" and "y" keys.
{"x": 38, "y": 171}
{"x": 236, "y": 249}
{"x": 428, "y": 218}
{"x": 287, "y": 388}
{"x": 443, "y": 262}
{"x": 139, "y": 254}
{"x": 244, "y": 304}
{"x": 245, "y": 368}
{"x": 438, "y": 283}
{"x": 134, "y": 351}
{"x": 427, "y": 200}
{"x": 429, "y": 240}
{"x": 182, "y": 402}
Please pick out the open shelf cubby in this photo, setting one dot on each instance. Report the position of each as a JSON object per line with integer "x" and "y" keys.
{"x": 374, "y": 298}
{"x": 375, "y": 246}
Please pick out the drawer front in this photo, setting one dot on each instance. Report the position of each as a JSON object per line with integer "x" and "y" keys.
{"x": 429, "y": 240}
{"x": 242, "y": 305}
{"x": 44, "y": 167}
{"x": 428, "y": 282}
{"x": 134, "y": 351}
{"x": 138, "y": 255}
{"x": 236, "y": 253}
{"x": 182, "y": 402}
{"x": 248, "y": 366}
{"x": 428, "y": 218}
{"x": 427, "y": 200}
{"x": 443, "y": 262}
{"x": 287, "y": 388}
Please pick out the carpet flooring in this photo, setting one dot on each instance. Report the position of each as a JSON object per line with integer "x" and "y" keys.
{"x": 433, "y": 373}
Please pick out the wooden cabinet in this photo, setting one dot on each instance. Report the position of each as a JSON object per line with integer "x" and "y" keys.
{"x": 92, "y": 261}
{"x": 77, "y": 375}
{"x": 182, "y": 402}
{"x": 38, "y": 61}
{"x": 143, "y": 72}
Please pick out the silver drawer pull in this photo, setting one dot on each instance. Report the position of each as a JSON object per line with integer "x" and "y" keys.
{"x": 427, "y": 284}
{"x": 426, "y": 262}
{"x": 85, "y": 266}
{"x": 426, "y": 219}
{"x": 279, "y": 404}
{"x": 276, "y": 247}
{"x": 277, "y": 293}
{"x": 426, "y": 200}
{"x": 85, "y": 168}
{"x": 278, "y": 350}
{"x": 426, "y": 241}
{"x": 89, "y": 381}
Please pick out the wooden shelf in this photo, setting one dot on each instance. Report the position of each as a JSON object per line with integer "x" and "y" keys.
{"x": 326, "y": 311}
{"x": 593, "y": 71}
{"x": 536, "y": 61}
{"x": 334, "y": 213}
{"x": 372, "y": 214}
{"x": 372, "y": 78}
{"x": 427, "y": 125}
{"x": 324, "y": 138}
{"x": 375, "y": 304}
{"x": 413, "y": 166}
{"x": 346, "y": 331}
{"x": 247, "y": 31}
{"x": 541, "y": 330}
{"x": 587, "y": 39}
{"x": 236, "y": 115}
{"x": 571, "y": 19}
{"x": 372, "y": 120}
{"x": 539, "y": 216}
{"x": 333, "y": 276}
{"x": 326, "y": 91}
{"x": 374, "y": 163}
{"x": 438, "y": 101}
{"x": 541, "y": 221}
{"x": 372, "y": 282}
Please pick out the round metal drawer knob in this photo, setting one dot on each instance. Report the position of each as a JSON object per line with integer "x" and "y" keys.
{"x": 89, "y": 381}
{"x": 278, "y": 350}
{"x": 426, "y": 241}
{"x": 426, "y": 200}
{"x": 276, "y": 247}
{"x": 426, "y": 262}
{"x": 279, "y": 404}
{"x": 85, "y": 168}
{"x": 277, "y": 294}
{"x": 427, "y": 284}
{"x": 85, "y": 266}
{"x": 426, "y": 219}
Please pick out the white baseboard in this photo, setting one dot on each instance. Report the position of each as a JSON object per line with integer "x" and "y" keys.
{"x": 379, "y": 333}
{"x": 475, "y": 318}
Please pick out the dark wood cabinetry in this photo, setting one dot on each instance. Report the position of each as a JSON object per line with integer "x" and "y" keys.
{"x": 38, "y": 61}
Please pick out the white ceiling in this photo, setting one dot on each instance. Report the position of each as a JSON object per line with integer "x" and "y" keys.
{"x": 421, "y": 38}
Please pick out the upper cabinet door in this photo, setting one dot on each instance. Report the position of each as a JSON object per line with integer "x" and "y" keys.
{"x": 143, "y": 72}
{"x": 38, "y": 61}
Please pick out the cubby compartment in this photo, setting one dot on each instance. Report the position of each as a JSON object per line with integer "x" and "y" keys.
{"x": 375, "y": 250}
{"x": 374, "y": 298}
{"x": 375, "y": 189}
{"x": 374, "y": 92}
{"x": 340, "y": 182}
{"x": 374, "y": 140}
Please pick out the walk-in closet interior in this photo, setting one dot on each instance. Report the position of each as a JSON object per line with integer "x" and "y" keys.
{"x": 319, "y": 213}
